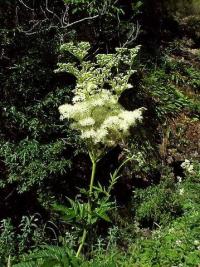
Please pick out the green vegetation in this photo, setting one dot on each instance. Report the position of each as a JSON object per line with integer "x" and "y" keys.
{"x": 174, "y": 241}
{"x": 99, "y": 133}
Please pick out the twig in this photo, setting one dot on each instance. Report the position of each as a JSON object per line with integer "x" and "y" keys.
{"x": 28, "y": 7}
{"x": 133, "y": 34}
{"x": 81, "y": 20}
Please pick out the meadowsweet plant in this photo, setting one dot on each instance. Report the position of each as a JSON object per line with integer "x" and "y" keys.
{"x": 96, "y": 113}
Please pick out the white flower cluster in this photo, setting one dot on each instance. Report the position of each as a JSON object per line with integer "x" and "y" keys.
{"x": 101, "y": 119}
{"x": 188, "y": 166}
{"x": 96, "y": 111}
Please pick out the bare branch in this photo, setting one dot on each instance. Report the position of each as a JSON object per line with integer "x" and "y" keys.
{"x": 81, "y": 20}
{"x": 52, "y": 12}
{"x": 47, "y": 8}
{"x": 33, "y": 27}
{"x": 50, "y": 15}
{"x": 61, "y": 20}
{"x": 16, "y": 15}
{"x": 133, "y": 34}
{"x": 26, "y": 6}
{"x": 65, "y": 18}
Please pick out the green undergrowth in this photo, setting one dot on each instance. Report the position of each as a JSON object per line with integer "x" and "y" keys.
{"x": 175, "y": 242}
{"x": 172, "y": 241}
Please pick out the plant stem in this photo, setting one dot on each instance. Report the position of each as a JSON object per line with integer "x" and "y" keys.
{"x": 82, "y": 242}
{"x": 94, "y": 161}
{"x": 9, "y": 261}
{"x": 94, "y": 164}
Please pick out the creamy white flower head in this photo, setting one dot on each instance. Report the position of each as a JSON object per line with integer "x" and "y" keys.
{"x": 66, "y": 111}
{"x": 80, "y": 110}
{"x": 124, "y": 127}
{"x": 76, "y": 111}
{"x": 113, "y": 100}
{"x": 131, "y": 116}
{"x": 105, "y": 94}
{"x": 111, "y": 122}
{"x": 98, "y": 102}
{"x": 103, "y": 98}
{"x": 87, "y": 122}
{"x": 89, "y": 134}
{"x": 101, "y": 134}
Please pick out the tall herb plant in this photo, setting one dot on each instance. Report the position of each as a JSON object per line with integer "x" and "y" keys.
{"x": 102, "y": 121}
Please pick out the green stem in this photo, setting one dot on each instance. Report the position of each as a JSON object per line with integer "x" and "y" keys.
{"x": 82, "y": 242}
{"x": 9, "y": 261}
{"x": 94, "y": 161}
{"x": 94, "y": 164}
{"x": 120, "y": 167}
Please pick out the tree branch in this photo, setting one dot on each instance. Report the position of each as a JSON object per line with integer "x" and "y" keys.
{"x": 133, "y": 34}
{"x": 50, "y": 15}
